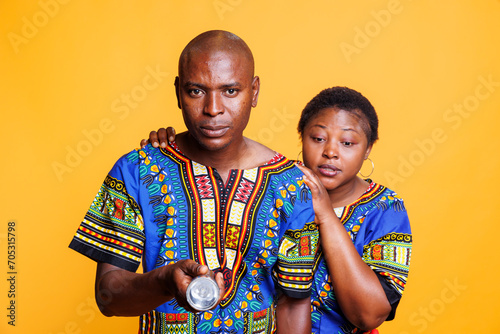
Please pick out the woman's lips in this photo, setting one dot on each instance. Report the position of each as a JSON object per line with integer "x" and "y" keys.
{"x": 328, "y": 170}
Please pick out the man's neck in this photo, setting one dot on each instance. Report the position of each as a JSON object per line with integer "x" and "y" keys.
{"x": 235, "y": 156}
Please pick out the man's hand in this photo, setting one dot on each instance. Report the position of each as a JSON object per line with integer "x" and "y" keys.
{"x": 159, "y": 138}
{"x": 181, "y": 274}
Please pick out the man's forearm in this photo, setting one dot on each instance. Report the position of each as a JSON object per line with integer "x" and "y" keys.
{"x": 123, "y": 293}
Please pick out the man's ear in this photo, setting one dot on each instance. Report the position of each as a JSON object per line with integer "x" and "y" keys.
{"x": 177, "y": 92}
{"x": 255, "y": 90}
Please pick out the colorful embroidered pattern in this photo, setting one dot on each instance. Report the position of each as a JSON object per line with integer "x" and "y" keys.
{"x": 390, "y": 256}
{"x": 296, "y": 247}
{"x": 112, "y": 229}
{"x": 155, "y": 322}
{"x": 256, "y": 229}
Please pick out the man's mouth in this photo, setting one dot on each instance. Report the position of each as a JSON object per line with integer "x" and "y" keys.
{"x": 214, "y": 131}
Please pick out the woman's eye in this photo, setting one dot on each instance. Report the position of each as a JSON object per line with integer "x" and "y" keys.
{"x": 318, "y": 139}
{"x": 347, "y": 143}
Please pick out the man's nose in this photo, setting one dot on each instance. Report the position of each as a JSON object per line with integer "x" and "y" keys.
{"x": 214, "y": 105}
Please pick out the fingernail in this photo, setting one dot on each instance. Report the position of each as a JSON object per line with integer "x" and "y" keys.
{"x": 155, "y": 144}
{"x": 163, "y": 145}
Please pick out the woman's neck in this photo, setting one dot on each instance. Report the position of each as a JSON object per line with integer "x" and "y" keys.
{"x": 348, "y": 193}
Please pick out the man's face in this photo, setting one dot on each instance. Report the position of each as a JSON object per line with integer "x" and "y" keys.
{"x": 216, "y": 92}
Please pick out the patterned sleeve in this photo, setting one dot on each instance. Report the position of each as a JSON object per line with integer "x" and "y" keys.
{"x": 112, "y": 230}
{"x": 388, "y": 251}
{"x": 293, "y": 272}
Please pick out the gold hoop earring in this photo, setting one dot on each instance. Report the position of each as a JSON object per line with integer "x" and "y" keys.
{"x": 373, "y": 168}
{"x": 298, "y": 156}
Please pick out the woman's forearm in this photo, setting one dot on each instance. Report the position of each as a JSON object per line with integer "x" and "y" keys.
{"x": 293, "y": 315}
{"x": 357, "y": 288}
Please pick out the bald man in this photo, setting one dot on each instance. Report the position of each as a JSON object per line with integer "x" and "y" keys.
{"x": 212, "y": 200}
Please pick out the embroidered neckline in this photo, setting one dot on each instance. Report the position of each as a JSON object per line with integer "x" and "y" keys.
{"x": 277, "y": 157}
{"x": 369, "y": 192}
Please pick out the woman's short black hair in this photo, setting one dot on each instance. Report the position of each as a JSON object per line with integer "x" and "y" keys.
{"x": 346, "y": 99}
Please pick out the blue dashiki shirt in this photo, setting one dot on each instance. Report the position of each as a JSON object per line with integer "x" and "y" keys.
{"x": 257, "y": 229}
{"x": 378, "y": 225}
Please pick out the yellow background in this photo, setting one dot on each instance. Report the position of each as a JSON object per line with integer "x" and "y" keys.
{"x": 429, "y": 67}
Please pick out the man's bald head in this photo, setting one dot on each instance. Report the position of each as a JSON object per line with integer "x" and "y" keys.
{"x": 216, "y": 41}
{"x": 216, "y": 90}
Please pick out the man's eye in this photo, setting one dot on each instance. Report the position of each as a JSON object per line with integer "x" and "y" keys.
{"x": 231, "y": 91}
{"x": 194, "y": 91}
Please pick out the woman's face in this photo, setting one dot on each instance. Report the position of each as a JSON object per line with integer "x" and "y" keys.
{"x": 334, "y": 146}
